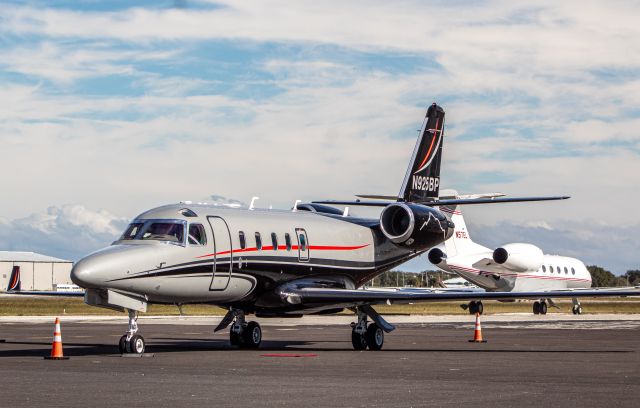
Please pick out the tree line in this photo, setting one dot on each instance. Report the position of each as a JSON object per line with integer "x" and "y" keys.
{"x": 601, "y": 277}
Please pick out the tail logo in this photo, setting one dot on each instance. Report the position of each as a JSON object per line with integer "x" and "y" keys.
{"x": 14, "y": 281}
{"x": 431, "y": 152}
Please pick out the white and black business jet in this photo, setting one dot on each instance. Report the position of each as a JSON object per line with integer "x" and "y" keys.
{"x": 311, "y": 259}
{"x": 514, "y": 267}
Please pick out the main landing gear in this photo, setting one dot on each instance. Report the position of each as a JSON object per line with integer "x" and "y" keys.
{"x": 577, "y": 308}
{"x": 132, "y": 343}
{"x": 243, "y": 334}
{"x": 540, "y": 307}
{"x": 365, "y": 335}
{"x": 475, "y": 306}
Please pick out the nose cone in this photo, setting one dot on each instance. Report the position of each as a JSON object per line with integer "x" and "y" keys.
{"x": 85, "y": 272}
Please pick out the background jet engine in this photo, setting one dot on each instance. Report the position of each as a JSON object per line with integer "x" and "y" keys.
{"x": 436, "y": 256}
{"x": 414, "y": 225}
{"x": 519, "y": 257}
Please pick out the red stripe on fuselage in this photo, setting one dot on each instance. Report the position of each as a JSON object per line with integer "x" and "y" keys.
{"x": 293, "y": 248}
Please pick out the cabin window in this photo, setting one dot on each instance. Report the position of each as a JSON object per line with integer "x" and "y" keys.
{"x": 303, "y": 242}
{"x": 558, "y": 269}
{"x": 274, "y": 241}
{"x": 573, "y": 271}
{"x": 287, "y": 241}
{"x": 243, "y": 241}
{"x": 132, "y": 230}
{"x": 258, "y": 242}
{"x": 566, "y": 271}
{"x": 544, "y": 268}
{"x": 197, "y": 234}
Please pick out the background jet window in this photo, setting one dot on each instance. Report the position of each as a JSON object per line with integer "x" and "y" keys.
{"x": 258, "y": 242}
{"x": 197, "y": 234}
{"x": 303, "y": 243}
{"x": 274, "y": 241}
{"x": 287, "y": 240}
{"x": 544, "y": 268}
{"x": 573, "y": 271}
{"x": 243, "y": 241}
{"x": 558, "y": 269}
{"x": 566, "y": 271}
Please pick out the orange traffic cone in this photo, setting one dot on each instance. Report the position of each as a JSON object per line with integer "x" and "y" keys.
{"x": 56, "y": 347}
{"x": 477, "y": 334}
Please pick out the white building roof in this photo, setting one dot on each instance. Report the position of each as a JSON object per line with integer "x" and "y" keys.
{"x": 18, "y": 256}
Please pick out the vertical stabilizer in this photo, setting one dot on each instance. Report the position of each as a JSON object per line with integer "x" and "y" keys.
{"x": 422, "y": 181}
{"x": 460, "y": 242}
{"x": 14, "y": 280}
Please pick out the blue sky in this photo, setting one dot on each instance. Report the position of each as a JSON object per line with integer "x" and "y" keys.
{"x": 109, "y": 108}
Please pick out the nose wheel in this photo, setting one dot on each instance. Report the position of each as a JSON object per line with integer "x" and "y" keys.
{"x": 132, "y": 343}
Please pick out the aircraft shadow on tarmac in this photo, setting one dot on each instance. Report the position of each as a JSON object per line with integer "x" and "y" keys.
{"x": 186, "y": 345}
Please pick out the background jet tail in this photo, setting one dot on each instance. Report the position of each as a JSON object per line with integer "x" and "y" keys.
{"x": 460, "y": 242}
{"x": 14, "y": 280}
{"x": 422, "y": 181}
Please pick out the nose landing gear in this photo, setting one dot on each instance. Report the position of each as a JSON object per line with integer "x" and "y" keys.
{"x": 132, "y": 343}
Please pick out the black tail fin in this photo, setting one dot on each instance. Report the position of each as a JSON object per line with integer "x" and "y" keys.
{"x": 14, "y": 280}
{"x": 422, "y": 181}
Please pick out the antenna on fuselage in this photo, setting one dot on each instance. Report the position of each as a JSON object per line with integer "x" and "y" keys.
{"x": 346, "y": 212}
{"x": 253, "y": 201}
{"x": 295, "y": 205}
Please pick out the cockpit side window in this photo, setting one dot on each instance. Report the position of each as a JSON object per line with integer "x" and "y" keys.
{"x": 132, "y": 230}
{"x": 164, "y": 231}
{"x": 197, "y": 234}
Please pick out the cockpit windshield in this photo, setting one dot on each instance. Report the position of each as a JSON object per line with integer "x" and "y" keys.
{"x": 165, "y": 230}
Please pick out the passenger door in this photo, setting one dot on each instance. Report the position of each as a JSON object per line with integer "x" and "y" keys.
{"x": 303, "y": 245}
{"x": 223, "y": 258}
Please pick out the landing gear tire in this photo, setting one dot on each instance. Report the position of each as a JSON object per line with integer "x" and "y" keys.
{"x": 137, "y": 344}
{"x": 358, "y": 340}
{"x": 543, "y": 308}
{"x": 475, "y": 306}
{"x": 234, "y": 338}
{"x": 252, "y": 335}
{"x": 536, "y": 307}
{"x": 122, "y": 344}
{"x": 374, "y": 337}
{"x": 577, "y": 310}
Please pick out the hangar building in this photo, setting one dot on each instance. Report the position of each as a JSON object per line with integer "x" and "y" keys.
{"x": 37, "y": 272}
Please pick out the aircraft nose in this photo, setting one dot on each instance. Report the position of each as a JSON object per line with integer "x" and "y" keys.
{"x": 84, "y": 273}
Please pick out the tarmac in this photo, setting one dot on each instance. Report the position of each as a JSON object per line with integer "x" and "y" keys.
{"x": 553, "y": 360}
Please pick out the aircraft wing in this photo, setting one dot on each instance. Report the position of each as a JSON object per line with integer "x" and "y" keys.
{"x": 46, "y": 293}
{"x": 356, "y": 297}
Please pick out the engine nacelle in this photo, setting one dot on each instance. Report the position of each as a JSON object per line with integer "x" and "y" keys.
{"x": 436, "y": 256}
{"x": 519, "y": 257}
{"x": 414, "y": 225}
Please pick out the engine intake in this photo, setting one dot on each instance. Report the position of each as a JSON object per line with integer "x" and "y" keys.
{"x": 519, "y": 257}
{"x": 436, "y": 256}
{"x": 414, "y": 225}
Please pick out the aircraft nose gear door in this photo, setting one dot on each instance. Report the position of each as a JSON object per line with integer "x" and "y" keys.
{"x": 223, "y": 258}
{"x": 303, "y": 245}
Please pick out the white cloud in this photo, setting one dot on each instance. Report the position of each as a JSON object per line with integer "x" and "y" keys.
{"x": 68, "y": 231}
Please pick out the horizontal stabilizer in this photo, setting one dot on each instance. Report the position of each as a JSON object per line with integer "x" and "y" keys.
{"x": 447, "y": 202}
